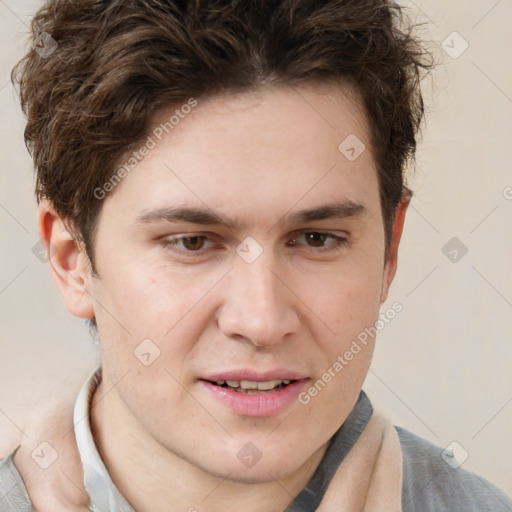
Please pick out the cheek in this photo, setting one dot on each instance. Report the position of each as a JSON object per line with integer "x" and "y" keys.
{"x": 168, "y": 308}
{"x": 149, "y": 298}
{"x": 349, "y": 309}
{"x": 348, "y": 301}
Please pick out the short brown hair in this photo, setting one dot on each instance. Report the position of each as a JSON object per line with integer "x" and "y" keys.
{"x": 116, "y": 62}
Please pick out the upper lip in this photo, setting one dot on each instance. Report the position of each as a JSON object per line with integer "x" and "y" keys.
{"x": 255, "y": 376}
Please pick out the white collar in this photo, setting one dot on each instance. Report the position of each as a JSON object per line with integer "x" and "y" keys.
{"x": 103, "y": 494}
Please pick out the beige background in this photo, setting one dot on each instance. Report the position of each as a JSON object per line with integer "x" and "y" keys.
{"x": 443, "y": 366}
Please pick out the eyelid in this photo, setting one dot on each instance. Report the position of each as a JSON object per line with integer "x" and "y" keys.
{"x": 329, "y": 232}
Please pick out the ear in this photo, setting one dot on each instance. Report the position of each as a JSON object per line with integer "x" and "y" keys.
{"x": 392, "y": 261}
{"x": 68, "y": 263}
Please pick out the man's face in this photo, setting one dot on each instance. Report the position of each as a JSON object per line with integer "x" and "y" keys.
{"x": 273, "y": 281}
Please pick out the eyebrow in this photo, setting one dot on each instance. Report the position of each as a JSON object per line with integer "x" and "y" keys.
{"x": 205, "y": 216}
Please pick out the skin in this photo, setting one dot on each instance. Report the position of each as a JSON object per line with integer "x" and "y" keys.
{"x": 255, "y": 158}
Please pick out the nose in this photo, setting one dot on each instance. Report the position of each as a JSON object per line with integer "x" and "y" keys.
{"x": 258, "y": 305}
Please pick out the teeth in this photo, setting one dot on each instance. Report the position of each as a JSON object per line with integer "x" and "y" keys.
{"x": 248, "y": 384}
{"x": 252, "y": 385}
{"x": 264, "y": 386}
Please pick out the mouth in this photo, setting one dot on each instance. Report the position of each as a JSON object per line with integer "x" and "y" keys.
{"x": 247, "y": 393}
{"x": 248, "y": 387}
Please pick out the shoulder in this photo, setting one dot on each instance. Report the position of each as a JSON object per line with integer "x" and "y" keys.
{"x": 431, "y": 483}
{"x": 13, "y": 494}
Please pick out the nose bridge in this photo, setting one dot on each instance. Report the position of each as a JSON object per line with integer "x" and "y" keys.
{"x": 257, "y": 307}
{"x": 260, "y": 284}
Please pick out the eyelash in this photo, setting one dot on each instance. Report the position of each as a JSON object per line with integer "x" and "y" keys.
{"x": 338, "y": 243}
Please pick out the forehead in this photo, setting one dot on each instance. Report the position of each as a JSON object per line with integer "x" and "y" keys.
{"x": 269, "y": 149}
{"x": 263, "y": 121}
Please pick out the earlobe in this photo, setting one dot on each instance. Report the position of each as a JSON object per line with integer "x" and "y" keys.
{"x": 68, "y": 264}
{"x": 392, "y": 262}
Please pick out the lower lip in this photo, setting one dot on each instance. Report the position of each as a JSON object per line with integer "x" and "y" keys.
{"x": 259, "y": 405}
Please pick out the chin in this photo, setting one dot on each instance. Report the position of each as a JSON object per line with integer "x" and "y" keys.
{"x": 261, "y": 473}
{"x": 253, "y": 479}
{"x": 266, "y": 466}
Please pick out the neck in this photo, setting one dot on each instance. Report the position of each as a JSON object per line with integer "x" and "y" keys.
{"x": 152, "y": 478}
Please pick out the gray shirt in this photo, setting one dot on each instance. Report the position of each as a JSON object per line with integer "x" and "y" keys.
{"x": 431, "y": 482}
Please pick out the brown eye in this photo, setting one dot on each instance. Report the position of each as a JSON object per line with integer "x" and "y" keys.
{"x": 316, "y": 239}
{"x": 319, "y": 241}
{"x": 193, "y": 243}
